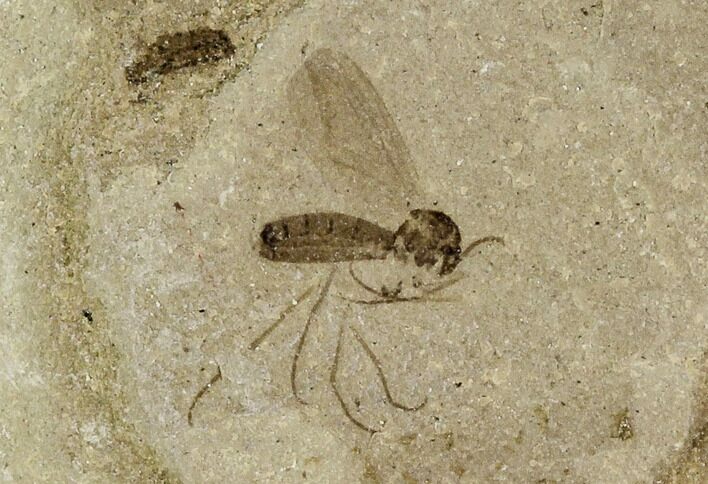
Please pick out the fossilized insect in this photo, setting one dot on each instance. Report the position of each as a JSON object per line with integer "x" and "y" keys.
{"x": 348, "y": 133}
{"x": 351, "y": 137}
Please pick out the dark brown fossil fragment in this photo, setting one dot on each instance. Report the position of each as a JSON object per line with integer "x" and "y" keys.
{"x": 428, "y": 235}
{"x": 171, "y": 52}
{"x": 324, "y": 237}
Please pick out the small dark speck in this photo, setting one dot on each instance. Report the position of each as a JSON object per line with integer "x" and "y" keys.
{"x": 602, "y": 107}
{"x": 88, "y": 315}
{"x": 178, "y": 206}
{"x": 597, "y": 223}
{"x": 202, "y": 310}
{"x": 458, "y": 384}
{"x": 585, "y": 11}
{"x": 260, "y": 125}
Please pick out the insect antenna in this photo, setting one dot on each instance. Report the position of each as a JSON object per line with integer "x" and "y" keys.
{"x": 483, "y": 240}
{"x": 384, "y": 382}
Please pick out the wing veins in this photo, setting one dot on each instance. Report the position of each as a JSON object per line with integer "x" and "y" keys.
{"x": 345, "y": 124}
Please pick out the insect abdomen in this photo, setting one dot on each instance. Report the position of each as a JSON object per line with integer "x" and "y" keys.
{"x": 324, "y": 237}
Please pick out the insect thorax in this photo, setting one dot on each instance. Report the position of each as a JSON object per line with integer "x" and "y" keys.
{"x": 431, "y": 239}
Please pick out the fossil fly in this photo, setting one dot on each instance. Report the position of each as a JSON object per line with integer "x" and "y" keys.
{"x": 350, "y": 136}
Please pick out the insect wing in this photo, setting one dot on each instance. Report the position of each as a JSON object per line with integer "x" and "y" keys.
{"x": 348, "y": 132}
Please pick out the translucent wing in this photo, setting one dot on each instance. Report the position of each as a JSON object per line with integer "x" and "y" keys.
{"x": 347, "y": 131}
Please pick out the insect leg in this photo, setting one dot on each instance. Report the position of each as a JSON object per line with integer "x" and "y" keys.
{"x": 379, "y": 369}
{"x": 362, "y": 283}
{"x": 387, "y": 299}
{"x": 303, "y": 335}
{"x": 483, "y": 240}
{"x": 444, "y": 285}
{"x": 373, "y": 302}
{"x": 333, "y": 382}
{"x": 257, "y": 342}
{"x": 201, "y": 392}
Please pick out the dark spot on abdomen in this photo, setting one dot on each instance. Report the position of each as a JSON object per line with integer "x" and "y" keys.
{"x": 269, "y": 236}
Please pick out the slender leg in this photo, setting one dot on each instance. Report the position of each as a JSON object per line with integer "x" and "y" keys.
{"x": 362, "y": 283}
{"x": 391, "y": 300}
{"x": 333, "y": 382}
{"x": 388, "y": 298}
{"x": 201, "y": 392}
{"x": 254, "y": 345}
{"x": 444, "y": 285}
{"x": 257, "y": 342}
{"x": 382, "y": 376}
{"x": 303, "y": 335}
